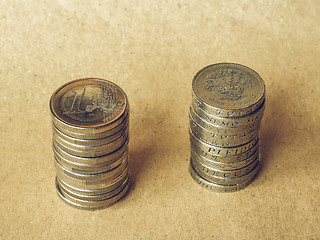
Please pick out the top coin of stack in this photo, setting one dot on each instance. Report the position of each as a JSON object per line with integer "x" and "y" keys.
{"x": 90, "y": 119}
{"x": 225, "y": 115}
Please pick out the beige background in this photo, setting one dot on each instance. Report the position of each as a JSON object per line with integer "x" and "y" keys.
{"x": 152, "y": 49}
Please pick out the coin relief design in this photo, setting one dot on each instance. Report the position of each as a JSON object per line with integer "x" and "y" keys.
{"x": 228, "y": 83}
{"x": 90, "y": 127}
{"x": 228, "y": 86}
{"x": 228, "y": 102}
{"x": 86, "y": 104}
{"x": 89, "y": 103}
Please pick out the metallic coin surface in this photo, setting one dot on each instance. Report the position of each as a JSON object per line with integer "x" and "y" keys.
{"x": 221, "y": 151}
{"x": 93, "y": 192}
{"x": 90, "y": 205}
{"x": 226, "y": 180}
{"x": 89, "y": 168}
{"x": 90, "y": 129}
{"x": 92, "y": 184}
{"x": 217, "y": 187}
{"x": 228, "y": 89}
{"x": 90, "y": 142}
{"x": 245, "y": 121}
{"x": 87, "y": 177}
{"x": 104, "y": 159}
{"x": 88, "y": 136}
{"x": 218, "y": 173}
{"x": 88, "y": 103}
{"x": 90, "y": 151}
{"x": 224, "y": 166}
{"x": 222, "y": 130}
{"x": 96, "y": 197}
{"x": 232, "y": 159}
{"x": 222, "y": 140}
{"x": 228, "y": 102}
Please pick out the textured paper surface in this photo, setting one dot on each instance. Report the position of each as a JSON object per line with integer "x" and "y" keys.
{"x": 152, "y": 49}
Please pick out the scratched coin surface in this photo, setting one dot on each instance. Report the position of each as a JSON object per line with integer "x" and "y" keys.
{"x": 88, "y": 103}
{"x": 228, "y": 89}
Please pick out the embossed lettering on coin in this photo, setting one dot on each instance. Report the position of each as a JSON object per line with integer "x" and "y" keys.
{"x": 89, "y": 102}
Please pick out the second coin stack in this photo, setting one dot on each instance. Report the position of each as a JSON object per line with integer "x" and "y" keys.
{"x": 225, "y": 115}
{"x": 90, "y": 119}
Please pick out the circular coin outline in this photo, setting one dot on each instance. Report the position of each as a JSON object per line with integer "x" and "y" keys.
{"x": 225, "y": 166}
{"x": 224, "y": 159}
{"x": 247, "y": 121}
{"x": 227, "y": 181}
{"x": 89, "y": 168}
{"x": 236, "y": 111}
{"x": 97, "y": 134}
{"x": 91, "y": 192}
{"x": 221, "y": 130}
{"x": 221, "y": 140}
{"x": 89, "y": 142}
{"x": 228, "y": 174}
{"x": 93, "y": 205}
{"x": 64, "y": 121}
{"x": 91, "y": 151}
{"x": 94, "y": 177}
{"x": 96, "y": 197}
{"x": 104, "y": 159}
{"x": 92, "y": 185}
{"x": 222, "y": 151}
{"x": 217, "y": 187}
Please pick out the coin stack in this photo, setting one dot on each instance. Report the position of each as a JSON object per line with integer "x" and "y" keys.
{"x": 90, "y": 119}
{"x": 225, "y": 115}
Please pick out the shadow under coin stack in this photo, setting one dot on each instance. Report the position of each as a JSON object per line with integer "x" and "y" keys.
{"x": 225, "y": 115}
{"x": 90, "y": 119}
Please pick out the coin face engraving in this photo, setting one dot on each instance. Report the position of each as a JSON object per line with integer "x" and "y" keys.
{"x": 228, "y": 83}
{"x": 228, "y": 89}
{"x": 89, "y": 103}
{"x": 90, "y": 128}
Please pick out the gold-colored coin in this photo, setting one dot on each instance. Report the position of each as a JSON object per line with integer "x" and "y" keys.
{"x": 91, "y": 205}
{"x": 88, "y": 106}
{"x": 90, "y": 123}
